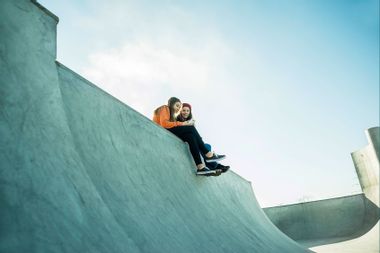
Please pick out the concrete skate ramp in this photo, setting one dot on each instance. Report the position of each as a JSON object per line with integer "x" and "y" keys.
{"x": 346, "y": 224}
{"x": 82, "y": 172}
{"x": 368, "y": 243}
{"x": 366, "y": 161}
{"x": 326, "y": 221}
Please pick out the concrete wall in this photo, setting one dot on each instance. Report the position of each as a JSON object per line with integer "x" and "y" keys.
{"x": 340, "y": 218}
{"x": 82, "y": 172}
{"x": 349, "y": 216}
{"x": 44, "y": 204}
{"x": 366, "y": 161}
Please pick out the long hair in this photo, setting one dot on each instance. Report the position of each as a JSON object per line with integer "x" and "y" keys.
{"x": 171, "y": 103}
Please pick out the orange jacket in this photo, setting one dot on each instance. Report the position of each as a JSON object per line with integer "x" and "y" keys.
{"x": 163, "y": 118}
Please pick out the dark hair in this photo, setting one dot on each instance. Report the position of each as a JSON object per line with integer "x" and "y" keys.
{"x": 181, "y": 118}
{"x": 171, "y": 103}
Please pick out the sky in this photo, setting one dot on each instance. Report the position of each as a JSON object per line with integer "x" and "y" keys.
{"x": 284, "y": 88}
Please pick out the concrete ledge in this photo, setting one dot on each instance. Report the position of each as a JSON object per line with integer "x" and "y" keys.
{"x": 45, "y": 10}
{"x": 329, "y": 220}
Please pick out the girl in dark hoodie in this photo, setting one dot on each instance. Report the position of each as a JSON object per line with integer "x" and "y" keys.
{"x": 165, "y": 116}
{"x": 186, "y": 115}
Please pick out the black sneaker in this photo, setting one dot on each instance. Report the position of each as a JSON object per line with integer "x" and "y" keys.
{"x": 215, "y": 158}
{"x": 217, "y": 172}
{"x": 206, "y": 172}
{"x": 223, "y": 168}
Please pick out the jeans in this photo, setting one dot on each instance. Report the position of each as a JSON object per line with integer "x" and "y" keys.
{"x": 190, "y": 135}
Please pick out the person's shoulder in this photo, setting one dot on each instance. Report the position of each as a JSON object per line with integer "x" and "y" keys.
{"x": 161, "y": 108}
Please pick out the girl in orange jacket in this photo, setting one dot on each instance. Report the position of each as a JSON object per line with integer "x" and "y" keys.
{"x": 165, "y": 116}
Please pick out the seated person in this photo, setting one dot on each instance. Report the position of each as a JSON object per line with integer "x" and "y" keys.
{"x": 186, "y": 115}
{"x": 165, "y": 116}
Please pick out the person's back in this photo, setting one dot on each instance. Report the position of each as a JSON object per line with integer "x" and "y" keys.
{"x": 162, "y": 117}
{"x": 158, "y": 111}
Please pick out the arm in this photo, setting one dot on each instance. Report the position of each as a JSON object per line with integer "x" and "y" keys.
{"x": 163, "y": 119}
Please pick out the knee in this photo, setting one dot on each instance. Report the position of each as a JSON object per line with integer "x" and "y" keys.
{"x": 192, "y": 129}
{"x": 189, "y": 138}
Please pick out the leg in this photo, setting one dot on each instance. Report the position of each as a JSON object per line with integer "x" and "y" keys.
{"x": 211, "y": 165}
{"x": 179, "y": 131}
{"x": 188, "y": 136}
{"x": 201, "y": 144}
{"x": 194, "y": 150}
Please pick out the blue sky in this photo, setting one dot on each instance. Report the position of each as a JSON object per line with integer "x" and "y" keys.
{"x": 284, "y": 88}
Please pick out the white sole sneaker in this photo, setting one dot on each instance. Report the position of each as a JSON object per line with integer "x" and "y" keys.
{"x": 206, "y": 172}
{"x": 217, "y": 159}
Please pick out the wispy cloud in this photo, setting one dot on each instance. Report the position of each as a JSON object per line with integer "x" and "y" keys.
{"x": 141, "y": 73}
{"x": 154, "y": 57}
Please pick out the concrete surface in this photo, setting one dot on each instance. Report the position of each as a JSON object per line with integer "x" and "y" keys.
{"x": 368, "y": 243}
{"x": 82, "y": 172}
{"x": 366, "y": 161}
{"x": 347, "y": 224}
{"x": 325, "y": 221}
